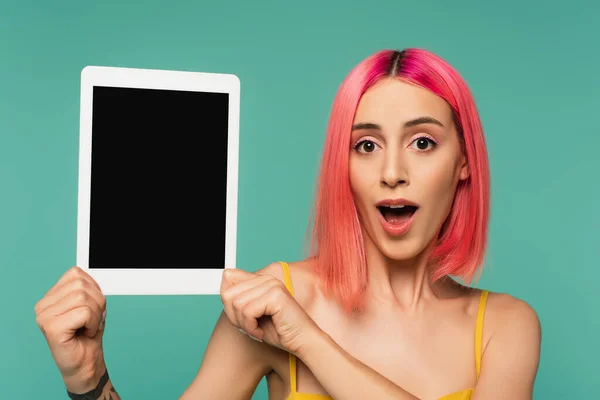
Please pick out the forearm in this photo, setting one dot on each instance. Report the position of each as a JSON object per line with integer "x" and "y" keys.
{"x": 104, "y": 390}
{"x": 346, "y": 378}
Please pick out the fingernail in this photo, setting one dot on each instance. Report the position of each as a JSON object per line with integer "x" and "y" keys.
{"x": 249, "y": 335}
{"x": 252, "y": 337}
{"x": 104, "y": 316}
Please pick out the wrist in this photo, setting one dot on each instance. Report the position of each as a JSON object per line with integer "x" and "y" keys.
{"x": 86, "y": 380}
{"x": 94, "y": 394}
{"x": 316, "y": 341}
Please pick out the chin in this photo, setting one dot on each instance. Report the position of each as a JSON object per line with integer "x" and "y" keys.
{"x": 400, "y": 250}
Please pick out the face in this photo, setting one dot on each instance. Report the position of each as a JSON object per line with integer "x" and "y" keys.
{"x": 405, "y": 164}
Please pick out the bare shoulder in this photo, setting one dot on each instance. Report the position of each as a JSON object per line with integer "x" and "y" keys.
{"x": 512, "y": 337}
{"x": 512, "y": 317}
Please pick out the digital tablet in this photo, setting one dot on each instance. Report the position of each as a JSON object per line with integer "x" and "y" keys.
{"x": 158, "y": 179}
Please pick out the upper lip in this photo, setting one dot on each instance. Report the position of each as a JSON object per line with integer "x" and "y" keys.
{"x": 396, "y": 202}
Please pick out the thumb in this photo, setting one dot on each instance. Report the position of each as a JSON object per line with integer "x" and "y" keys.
{"x": 231, "y": 276}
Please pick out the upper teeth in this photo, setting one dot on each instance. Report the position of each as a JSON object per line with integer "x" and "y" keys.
{"x": 397, "y": 206}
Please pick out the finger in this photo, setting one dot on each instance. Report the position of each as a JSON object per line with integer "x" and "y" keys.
{"x": 74, "y": 273}
{"x": 67, "y": 287}
{"x": 242, "y": 286}
{"x": 229, "y": 292}
{"x": 249, "y": 324}
{"x": 63, "y": 328}
{"x": 252, "y": 312}
{"x": 71, "y": 274}
{"x": 231, "y": 276}
{"x": 228, "y": 295}
{"x": 68, "y": 303}
{"x": 229, "y": 298}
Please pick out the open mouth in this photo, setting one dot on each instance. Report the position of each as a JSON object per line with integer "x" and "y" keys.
{"x": 397, "y": 215}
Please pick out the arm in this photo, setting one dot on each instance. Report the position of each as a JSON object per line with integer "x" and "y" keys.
{"x": 510, "y": 361}
{"x": 249, "y": 297}
{"x": 360, "y": 381}
{"x": 232, "y": 367}
{"x": 104, "y": 391}
{"x": 509, "y": 365}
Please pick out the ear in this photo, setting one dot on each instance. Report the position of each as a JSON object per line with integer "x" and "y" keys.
{"x": 464, "y": 168}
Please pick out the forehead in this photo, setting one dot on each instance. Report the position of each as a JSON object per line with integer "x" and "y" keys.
{"x": 392, "y": 100}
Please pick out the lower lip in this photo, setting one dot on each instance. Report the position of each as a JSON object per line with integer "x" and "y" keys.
{"x": 397, "y": 229}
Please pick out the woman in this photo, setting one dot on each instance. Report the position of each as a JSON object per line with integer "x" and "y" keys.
{"x": 373, "y": 313}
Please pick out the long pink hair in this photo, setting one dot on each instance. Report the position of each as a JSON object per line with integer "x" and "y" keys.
{"x": 336, "y": 241}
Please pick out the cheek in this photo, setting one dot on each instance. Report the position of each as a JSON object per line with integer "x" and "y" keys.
{"x": 361, "y": 185}
{"x": 437, "y": 182}
{"x": 360, "y": 179}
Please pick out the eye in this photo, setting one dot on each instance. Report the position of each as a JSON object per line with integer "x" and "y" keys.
{"x": 423, "y": 142}
{"x": 365, "y": 146}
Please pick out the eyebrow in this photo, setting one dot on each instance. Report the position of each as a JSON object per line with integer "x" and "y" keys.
{"x": 407, "y": 124}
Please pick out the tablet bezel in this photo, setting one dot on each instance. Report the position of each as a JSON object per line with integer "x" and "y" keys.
{"x": 151, "y": 281}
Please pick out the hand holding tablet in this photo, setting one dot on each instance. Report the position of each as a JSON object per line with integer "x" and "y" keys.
{"x": 158, "y": 172}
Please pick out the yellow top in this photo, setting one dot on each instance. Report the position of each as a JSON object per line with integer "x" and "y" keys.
{"x": 460, "y": 395}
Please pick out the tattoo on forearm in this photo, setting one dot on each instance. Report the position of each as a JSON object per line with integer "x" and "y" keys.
{"x": 111, "y": 395}
{"x": 104, "y": 391}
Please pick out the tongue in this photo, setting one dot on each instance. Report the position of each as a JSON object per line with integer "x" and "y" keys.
{"x": 396, "y": 216}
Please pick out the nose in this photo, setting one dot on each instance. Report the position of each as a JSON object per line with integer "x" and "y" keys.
{"x": 394, "y": 172}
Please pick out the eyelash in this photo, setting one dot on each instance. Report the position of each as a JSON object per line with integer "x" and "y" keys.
{"x": 426, "y": 137}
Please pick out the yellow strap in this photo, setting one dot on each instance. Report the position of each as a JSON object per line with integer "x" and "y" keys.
{"x": 479, "y": 330}
{"x": 292, "y": 373}
{"x": 287, "y": 277}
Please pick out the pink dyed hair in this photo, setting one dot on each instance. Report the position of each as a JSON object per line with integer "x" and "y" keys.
{"x": 336, "y": 240}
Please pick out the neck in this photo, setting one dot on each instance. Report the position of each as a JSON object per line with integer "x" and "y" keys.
{"x": 397, "y": 284}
